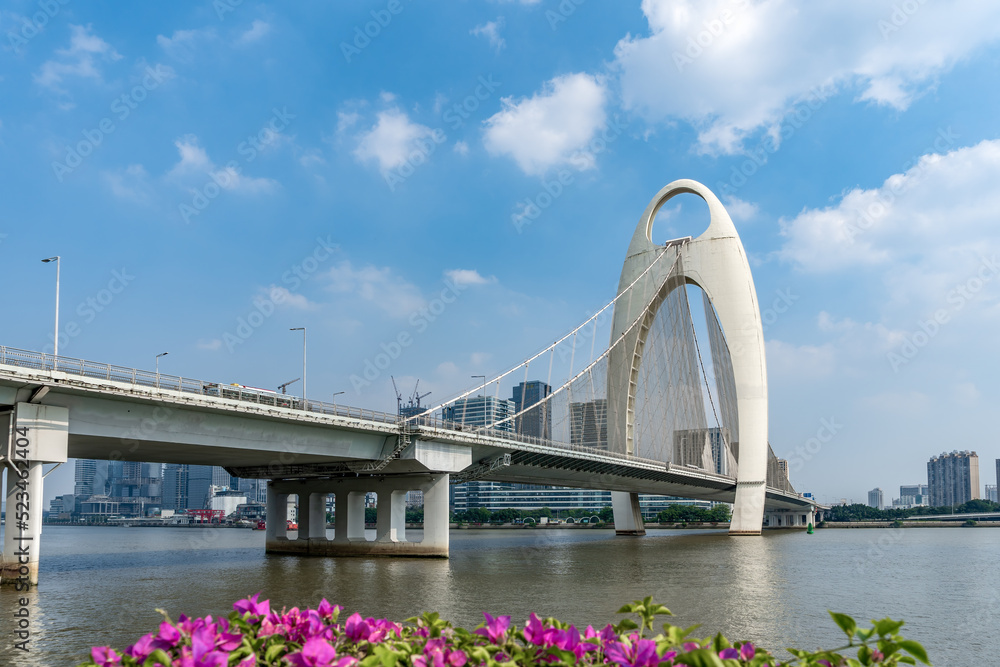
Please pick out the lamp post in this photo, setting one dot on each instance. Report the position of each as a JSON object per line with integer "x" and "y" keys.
{"x": 55, "y": 350}
{"x": 162, "y": 354}
{"x": 335, "y": 395}
{"x": 303, "y": 330}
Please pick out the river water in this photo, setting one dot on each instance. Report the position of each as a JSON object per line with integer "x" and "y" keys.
{"x": 101, "y": 586}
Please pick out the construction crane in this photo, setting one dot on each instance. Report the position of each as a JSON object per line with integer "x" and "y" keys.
{"x": 399, "y": 397}
{"x": 283, "y": 387}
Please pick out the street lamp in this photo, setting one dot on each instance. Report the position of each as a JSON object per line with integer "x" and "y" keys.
{"x": 55, "y": 351}
{"x": 303, "y": 330}
{"x": 335, "y": 395}
{"x": 162, "y": 354}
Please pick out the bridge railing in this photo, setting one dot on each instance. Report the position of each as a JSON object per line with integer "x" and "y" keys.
{"x": 139, "y": 378}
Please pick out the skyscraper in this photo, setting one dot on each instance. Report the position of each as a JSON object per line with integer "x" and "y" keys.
{"x": 875, "y": 499}
{"x": 199, "y": 482}
{"x": 482, "y": 411}
{"x": 538, "y": 421}
{"x": 175, "y": 486}
{"x": 953, "y": 479}
{"x": 588, "y": 423}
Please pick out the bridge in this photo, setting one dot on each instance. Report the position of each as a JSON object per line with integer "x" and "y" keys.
{"x": 640, "y": 415}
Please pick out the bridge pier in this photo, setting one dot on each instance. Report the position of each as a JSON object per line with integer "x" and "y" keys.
{"x": 628, "y": 515}
{"x": 39, "y": 435}
{"x": 349, "y": 533}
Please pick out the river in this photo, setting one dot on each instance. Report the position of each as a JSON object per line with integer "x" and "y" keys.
{"x": 102, "y": 585}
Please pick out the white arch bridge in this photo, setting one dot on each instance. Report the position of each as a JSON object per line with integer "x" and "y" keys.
{"x": 646, "y": 413}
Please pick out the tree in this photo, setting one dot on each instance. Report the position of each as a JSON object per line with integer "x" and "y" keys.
{"x": 606, "y": 514}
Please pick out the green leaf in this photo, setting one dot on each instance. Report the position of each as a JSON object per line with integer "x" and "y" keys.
{"x": 272, "y": 652}
{"x": 158, "y": 656}
{"x": 700, "y": 658}
{"x": 915, "y": 649}
{"x": 845, "y": 622}
{"x": 887, "y": 626}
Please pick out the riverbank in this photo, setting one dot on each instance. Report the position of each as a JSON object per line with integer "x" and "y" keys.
{"x": 908, "y": 524}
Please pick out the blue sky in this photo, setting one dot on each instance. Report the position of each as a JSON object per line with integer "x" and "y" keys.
{"x": 337, "y": 165}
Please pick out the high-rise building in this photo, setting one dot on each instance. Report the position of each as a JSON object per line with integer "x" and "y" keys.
{"x": 588, "y": 423}
{"x": 91, "y": 478}
{"x": 482, "y": 411}
{"x": 998, "y": 478}
{"x": 199, "y": 485}
{"x": 875, "y": 499}
{"x": 703, "y": 448}
{"x": 991, "y": 493}
{"x": 536, "y": 422}
{"x": 953, "y": 479}
{"x": 175, "y": 486}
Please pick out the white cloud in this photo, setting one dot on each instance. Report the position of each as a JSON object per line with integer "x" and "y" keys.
{"x": 932, "y": 223}
{"x": 183, "y": 44}
{"x": 466, "y": 277}
{"x": 258, "y": 29}
{"x": 740, "y": 210}
{"x": 346, "y": 120}
{"x": 461, "y": 148}
{"x": 378, "y": 286}
{"x": 391, "y": 140}
{"x": 194, "y": 164}
{"x": 79, "y": 60}
{"x": 212, "y": 344}
{"x": 732, "y": 67}
{"x": 283, "y": 298}
{"x": 130, "y": 183}
{"x": 553, "y": 127}
{"x": 491, "y": 31}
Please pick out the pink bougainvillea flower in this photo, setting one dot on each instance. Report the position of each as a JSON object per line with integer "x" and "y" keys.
{"x": 315, "y": 652}
{"x": 495, "y": 628}
{"x": 253, "y": 607}
{"x": 457, "y": 658}
{"x": 634, "y": 653}
{"x": 747, "y": 652}
{"x": 729, "y": 654}
{"x": 327, "y": 610}
{"x": 105, "y": 656}
{"x": 536, "y": 633}
{"x": 168, "y": 635}
{"x": 357, "y": 628}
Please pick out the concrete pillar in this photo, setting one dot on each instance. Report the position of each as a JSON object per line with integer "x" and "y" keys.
{"x": 436, "y": 536}
{"x": 39, "y": 435}
{"x": 276, "y": 526}
{"x": 628, "y": 515}
{"x": 356, "y": 516}
{"x": 383, "y": 524}
{"x": 317, "y": 517}
{"x": 304, "y": 515}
